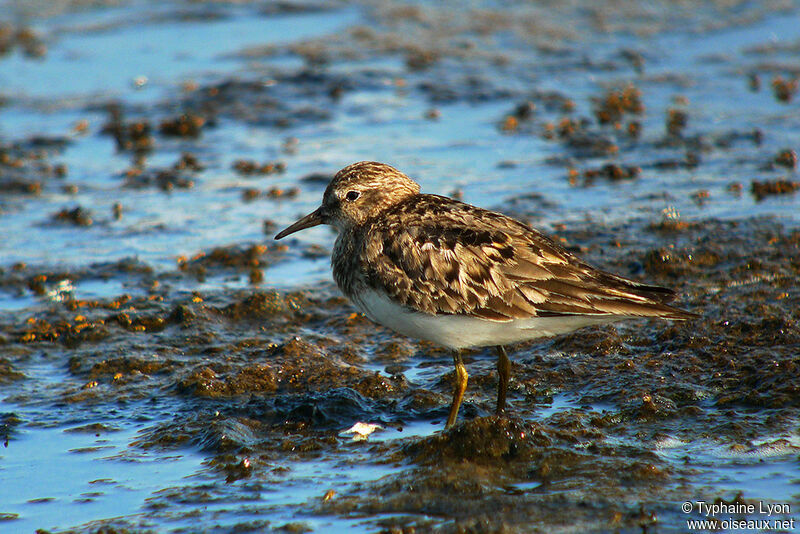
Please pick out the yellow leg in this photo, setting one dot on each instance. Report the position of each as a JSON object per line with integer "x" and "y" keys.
{"x": 458, "y": 391}
{"x": 503, "y": 373}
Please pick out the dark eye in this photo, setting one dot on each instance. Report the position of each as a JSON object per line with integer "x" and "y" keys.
{"x": 352, "y": 195}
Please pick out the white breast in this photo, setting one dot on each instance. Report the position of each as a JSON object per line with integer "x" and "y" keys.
{"x": 461, "y": 331}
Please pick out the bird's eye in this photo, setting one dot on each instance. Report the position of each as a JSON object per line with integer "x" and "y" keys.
{"x": 352, "y": 195}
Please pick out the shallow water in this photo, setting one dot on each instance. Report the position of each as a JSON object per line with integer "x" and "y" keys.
{"x": 317, "y": 87}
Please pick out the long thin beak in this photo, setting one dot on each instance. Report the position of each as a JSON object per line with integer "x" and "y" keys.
{"x": 312, "y": 219}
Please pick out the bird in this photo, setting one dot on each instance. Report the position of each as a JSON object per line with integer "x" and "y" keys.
{"x": 434, "y": 268}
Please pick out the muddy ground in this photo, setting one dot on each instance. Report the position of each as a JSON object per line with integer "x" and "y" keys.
{"x": 261, "y": 375}
{"x": 608, "y": 429}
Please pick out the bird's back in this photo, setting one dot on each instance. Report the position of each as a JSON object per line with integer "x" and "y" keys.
{"x": 439, "y": 256}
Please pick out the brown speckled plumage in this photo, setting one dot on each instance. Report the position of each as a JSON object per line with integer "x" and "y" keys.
{"x": 436, "y": 257}
{"x": 440, "y": 256}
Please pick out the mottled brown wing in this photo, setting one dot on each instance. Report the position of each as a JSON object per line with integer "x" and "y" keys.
{"x": 452, "y": 258}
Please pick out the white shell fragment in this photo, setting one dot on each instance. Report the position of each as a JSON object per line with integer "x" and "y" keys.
{"x": 361, "y": 431}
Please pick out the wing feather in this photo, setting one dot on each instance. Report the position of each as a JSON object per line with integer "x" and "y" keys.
{"x": 440, "y": 256}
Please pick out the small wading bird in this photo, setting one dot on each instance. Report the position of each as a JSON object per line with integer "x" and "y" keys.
{"x": 430, "y": 267}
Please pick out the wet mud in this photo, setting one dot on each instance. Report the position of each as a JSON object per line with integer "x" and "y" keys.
{"x": 205, "y": 352}
{"x": 261, "y": 375}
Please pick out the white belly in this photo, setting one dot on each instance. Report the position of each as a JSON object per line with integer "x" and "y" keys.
{"x": 461, "y": 331}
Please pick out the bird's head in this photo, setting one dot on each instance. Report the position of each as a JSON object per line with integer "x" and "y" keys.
{"x": 356, "y": 194}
